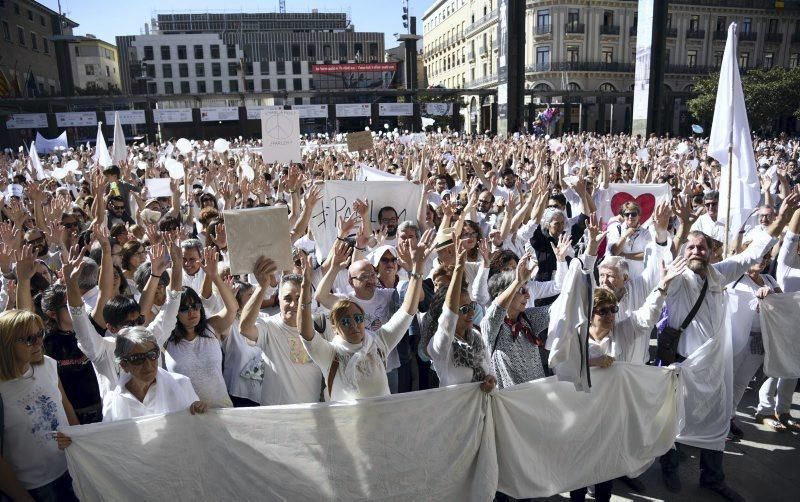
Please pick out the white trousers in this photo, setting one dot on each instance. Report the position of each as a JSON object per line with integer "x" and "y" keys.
{"x": 745, "y": 366}
{"x": 775, "y": 396}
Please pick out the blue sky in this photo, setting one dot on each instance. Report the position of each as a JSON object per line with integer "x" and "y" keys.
{"x": 108, "y": 18}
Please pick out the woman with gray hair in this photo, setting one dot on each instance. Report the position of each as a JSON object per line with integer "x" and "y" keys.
{"x": 545, "y": 238}
{"x": 137, "y": 394}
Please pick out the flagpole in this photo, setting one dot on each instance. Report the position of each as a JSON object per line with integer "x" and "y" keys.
{"x": 726, "y": 248}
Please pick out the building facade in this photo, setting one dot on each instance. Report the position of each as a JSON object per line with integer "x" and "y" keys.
{"x": 591, "y": 46}
{"x": 31, "y": 43}
{"x": 95, "y": 64}
{"x": 241, "y": 53}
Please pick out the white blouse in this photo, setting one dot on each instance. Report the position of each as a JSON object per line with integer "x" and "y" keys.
{"x": 171, "y": 392}
{"x": 201, "y": 361}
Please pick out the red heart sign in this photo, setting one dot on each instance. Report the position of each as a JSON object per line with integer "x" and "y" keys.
{"x": 646, "y": 201}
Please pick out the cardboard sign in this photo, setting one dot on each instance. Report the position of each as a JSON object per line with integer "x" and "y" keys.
{"x": 280, "y": 136}
{"x": 358, "y": 141}
{"x": 158, "y": 187}
{"x": 261, "y": 231}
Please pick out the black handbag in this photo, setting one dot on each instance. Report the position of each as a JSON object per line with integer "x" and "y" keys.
{"x": 667, "y": 348}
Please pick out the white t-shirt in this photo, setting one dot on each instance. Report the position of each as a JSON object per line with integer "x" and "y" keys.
{"x": 32, "y": 410}
{"x": 201, "y": 360}
{"x": 377, "y": 310}
{"x": 290, "y": 377}
{"x": 171, "y": 392}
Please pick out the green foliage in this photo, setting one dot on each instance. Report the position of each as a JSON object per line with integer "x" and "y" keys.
{"x": 769, "y": 94}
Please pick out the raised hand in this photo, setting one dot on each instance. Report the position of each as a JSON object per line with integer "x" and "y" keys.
{"x": 347, "y": 224}
{"x": 595, "y": 228}
{"x": 25, "y": 262}
{"x": 158, "y": 259}
{"x": 523, "y": 272}
{"x": 675, "y": 269}
{"x": 264, "y": 271}
{"x": 210, "y": 262}
{"x": 661, "y": 217}
{"x": 341, "y": 255}
{"x": 485, "y": 251}
{"x": 74, "y": 264}
{"x": 461, "y": 252}
{"x": 562, "y": 248}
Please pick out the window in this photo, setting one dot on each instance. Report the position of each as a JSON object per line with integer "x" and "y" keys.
{"x": 148, "y": 52}
{"x": 30, "y": 15}
{"x": 165, "y": 52}
{"x": 265, "y": 84}
{"x": 198, "y": 52}
{"x": 298, "y": 101}
{"x": 181, "y": 52}
{"x": 216, "y": 70}
{"x": 185, "y": 88}
{"x": 108, "y": 71}
{"x": 201, "y": 86}
{"x": 231, "y": 48}
{"x": 166, "y": 71}
{"x": 542, "y": 55}
{"x": 543, "y": 17}
{"x": 358, "y": 50}
{"x": 248, "y": 69}
{"x": 199, "y": 70}
{"x": 183, "y": 70}
{"x": 694, "y": 23}
{"x": 794, "y": 60}
{"x": 608, "y": 18}
{"x": 608, "y": 54}
{"x": 573, "y": 53}
{"x": 280, "y": 67}
{"x": 769, "y": 58}
{"x": 296, "y": 68}
{"x": 312, "y": 52}
{"x": 373, "y": 52}
{"x": 295, "y": 51}
{"x": 89, "y": 69}
{"x": 233, "y": 69}
{"x": 327, "y": 52}
{"x": 264, "y": 67}
{"x": 42, "y": 21}
{"x": 297, "y": 84}
{"x": 218, "y": 86}
{"x": 45, "y": 46}
{"x": 281, "y": 84}
{"x": 607, "y": 87}
{"x": 169, "y": 88}
{"x": 6, "y": 32}
{"x": 16, "y": 8}
{"x": 744, "y": 59}
{"x": 233, "y": 85}
{"x": 691, "y": 58}
{"x": 342, "y": 51}
{"x": 669, "y": 21}
{"x": 718, "y": 58}
{"x": 20, "y": 35}
{"x": 311, "y": 84}
{"x": 747, "y": 24}
{"x": 722, "y": 24}
{"x": 773, "y": 26}
{"x": 214, "y": 51}
{"x": 249, "y": 85}
{"x": 667, "y": 55}
{"x": 573, "y": 18}
{"x": 151, "y": 72}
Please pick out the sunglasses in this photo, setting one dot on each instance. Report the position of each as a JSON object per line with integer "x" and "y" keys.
{"x": 606, "y": 311}
{"x": 711, "y": 204}
{"x": 191, "y": 306}
{"x": 35, "y": 242}
{"x": 365, "y": 278}
{"x": 630, "y": 215}
{"x": 117, "y": 208}
{"x": 347, "y": 321}
{"x": 522, "y": 291}
{"x": 388, "y": 259}
{"x": 139, "y": 359}
{"x": 70, "y": 225}
{"x": 466, "y": 309}
{"x": 30, "y": 340}
{"x": 132, "y": 322}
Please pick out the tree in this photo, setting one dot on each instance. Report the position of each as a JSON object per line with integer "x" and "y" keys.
{"x": 769, "y": 95}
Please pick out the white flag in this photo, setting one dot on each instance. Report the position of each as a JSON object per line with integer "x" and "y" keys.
{"x": 101, "y": 155}
{"x": 35, "y": 163}
{"x": 730, "y": 124}
{"x": 119, "y": 152}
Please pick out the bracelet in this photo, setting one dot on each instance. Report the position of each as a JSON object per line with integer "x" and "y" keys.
{"x": 154, "y": 275}
{"x": 305, "y": 305}
{"x": 358, "y": 248}
{"x": 416, "y": 275}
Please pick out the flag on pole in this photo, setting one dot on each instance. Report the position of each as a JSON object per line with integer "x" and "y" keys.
{"x": 15, "y": 88}
{"x": 5, "y": 86}
{"x": 34, "y": 163}
{"x": 101, "y": 156}
{"x": 30, "y": 85}
{"x": 119, "y": 152}
{"x": 739, "y": 188}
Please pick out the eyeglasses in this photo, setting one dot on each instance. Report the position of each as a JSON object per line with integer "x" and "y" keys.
{"x": 347, "y": 321}
{"x": 139, "y": 359}
{"x": 366, "y": 278}
{"x": 630, "y": 215}
{"x": 606, "y": 311}
{"x": 74, "y": 224}
{"x": 553, "y": 206}
{"x": 466, "y": 309}
{"x": 388, "y": 259}
{"x": 117, "y": 208}
{"x": 468, "y": 235}
{"x": 35, "y": 242}
{"x": 188, "y": 261}
{"x": 31, "y": 340}
{"x": 188, "y": 307}
{"x": 484, "y": 201}
{"x": 387, "y": 221}
{"x": 132, "y": 322}
{"x": 711, "y": 204}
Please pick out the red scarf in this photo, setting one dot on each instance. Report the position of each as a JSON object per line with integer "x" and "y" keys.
{"x": 521, "y": 327}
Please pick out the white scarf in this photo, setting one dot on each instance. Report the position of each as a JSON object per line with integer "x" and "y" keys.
{"x": 361, "y": 364}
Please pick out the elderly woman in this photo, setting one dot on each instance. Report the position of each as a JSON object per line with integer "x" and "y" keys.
{"x": 144, "y": 388}
{"x": 34, "y": 408}
{"x": 629, "y": 238}
{"x": 454, "y": 345}
{"x": 551, "y": 227}
{"x": 354, "y": 362}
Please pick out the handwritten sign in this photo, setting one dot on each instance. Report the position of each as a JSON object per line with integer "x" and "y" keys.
{"x": 280, "y": 136}
{"x": 245, "y": 244}
{"x": 358, "y": 141}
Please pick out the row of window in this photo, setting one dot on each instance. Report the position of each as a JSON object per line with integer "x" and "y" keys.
{"x": 233, "y": 86}
{"x": 280, "y": 52}
{"x": 199, "y": 52}
{"x": 22, "y": 39}
{"x": 89, "y": 69}
{"x": 42, "y": 20}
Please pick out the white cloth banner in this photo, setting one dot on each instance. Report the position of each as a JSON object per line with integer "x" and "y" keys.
{"x": 367, "y": 173}
{"x": 440, "y": 444}
{"x": 337, "y": 201}
{"x": 646, "y": 195}
{"x": 45, "y": 145}
{"x": 780, "y": 318}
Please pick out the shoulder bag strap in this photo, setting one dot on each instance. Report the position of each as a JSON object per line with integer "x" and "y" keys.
{"x": 696, "y": 306}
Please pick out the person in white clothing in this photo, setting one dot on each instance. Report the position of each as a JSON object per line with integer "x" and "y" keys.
{"x": 629, "y": 238}
{"x": 708, "y": 222}
{"x": 451, "y": 340}
{"x": 354, "y": 362}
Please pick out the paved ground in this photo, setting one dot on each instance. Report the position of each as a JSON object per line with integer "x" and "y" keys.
{"x": 764, "y": 466}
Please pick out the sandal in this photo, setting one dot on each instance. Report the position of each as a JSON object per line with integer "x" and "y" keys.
{"x": 771, "y": 422}
{"x": 789, "y": 421}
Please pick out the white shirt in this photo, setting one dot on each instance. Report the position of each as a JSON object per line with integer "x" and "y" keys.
{"x": 169, "y": 393}
{"x": 440, "y": 349}
{"x": 90, "y": 299}
{"x": 788, "y": 272}
{"x": 290, "y": 376}
{"x": 200, "y": 359}
{"x": 32, "y": 410}
{"x": 636, "y": 243}
{"x": 714, "y": 229}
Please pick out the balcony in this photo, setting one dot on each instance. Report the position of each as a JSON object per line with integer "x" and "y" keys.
{"x": 609, "y": 30}
{"x": 720, "y": 35}
{"x": 749, "y": 36}
{"x": 545, "y": 29}
{"x": 481, "y": 23}
{"x": 696, "y": 34}
{"x": 575, "y": 28}
{"x": 581, "y": 66}
{"x": 478, "y": 82}
{"x": 672, "y": 32}
{"x": 690, "y": 70}
{"x": 775, "y": 38}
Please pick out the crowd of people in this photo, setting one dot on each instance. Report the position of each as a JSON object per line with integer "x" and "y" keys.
{"x": 118, "y": 304}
